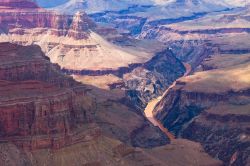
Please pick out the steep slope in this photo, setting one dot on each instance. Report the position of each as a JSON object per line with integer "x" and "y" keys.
{"x": 208, "y": 107}
{"x": 41, "y": 107}
{"x": 107, "y": 152}
{"x": 212, "y": 108}
{"x": 64, "y": 36}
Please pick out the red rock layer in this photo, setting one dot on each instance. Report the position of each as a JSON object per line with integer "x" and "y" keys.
{"x": 18, "y": 16}
{"x": 39, "y": 106}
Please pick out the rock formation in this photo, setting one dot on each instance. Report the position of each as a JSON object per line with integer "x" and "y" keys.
{"x": 37, "y": 24}
{"x": 47, "y": 118}
{"x": 40, "y": 107}
{"x": 45, "y": 108}
{"x": 152, "y": 78}
{"x": 70, "y": 41}
{"x": 19, "y": 16}
{"x": 50, "y": 119}
{"x": 212, "y": 107}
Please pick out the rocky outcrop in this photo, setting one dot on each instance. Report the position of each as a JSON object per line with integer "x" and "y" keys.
{"x": 179, "y": 107}
{"x": 143, "y": 81}
{"x": 118, "y": 72}
{"x": 227, "y": 138}
{"x": 152, "y": 78}
{"x": 18, "y": 16}
{"x": 29, "y": 63}
{"x": 69, "y": 40}
{"x": 41, "y": 107}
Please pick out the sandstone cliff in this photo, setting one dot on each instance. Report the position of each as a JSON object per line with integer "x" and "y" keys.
{"x": 41, "y": 108}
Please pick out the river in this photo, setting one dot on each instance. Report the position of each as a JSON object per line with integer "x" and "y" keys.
{"x": 152, "y": 104}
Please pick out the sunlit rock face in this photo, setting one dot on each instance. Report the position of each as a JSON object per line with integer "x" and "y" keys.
{"x": 68, "y": 40}
{"x": 17, "y": 17}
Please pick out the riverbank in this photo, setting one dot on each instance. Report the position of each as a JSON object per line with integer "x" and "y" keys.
{"x": 152, "y": 104}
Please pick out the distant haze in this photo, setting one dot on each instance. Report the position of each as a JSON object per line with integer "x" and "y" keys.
{"x": 50, "y": 3}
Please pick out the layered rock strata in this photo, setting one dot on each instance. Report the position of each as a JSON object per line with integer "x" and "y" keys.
{"x": 40, "y": 107}
{"x": 18, "y": 16}
{"x": 212, "y": 107}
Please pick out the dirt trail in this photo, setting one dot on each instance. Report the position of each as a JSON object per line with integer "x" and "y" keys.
{"x": 151, "y": 105}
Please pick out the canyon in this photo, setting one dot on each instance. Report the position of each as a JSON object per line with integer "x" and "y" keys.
{"x": 76, "y": 44}
{"x": 211, "y": 108}
{"x": 124, "y": 84}
{"x": 211, "y": 105}
{"x": 50, "y": 119}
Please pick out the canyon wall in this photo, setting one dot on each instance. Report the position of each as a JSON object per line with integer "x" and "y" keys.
{"x": 212, "y": 108}
{"x": 41, "y": 108}
{"x": 18, "y": 21}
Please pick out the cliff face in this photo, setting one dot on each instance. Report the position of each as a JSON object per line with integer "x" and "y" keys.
{"x": 68, "y": 40}
{"x": 40, "y": 107}
{"x": 18, "y": 16}
{"x": 152, "y": 78}
{"x": 213, "y": 109}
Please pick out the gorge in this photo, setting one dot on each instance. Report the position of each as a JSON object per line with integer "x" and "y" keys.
{"x": 124, "y": 83}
